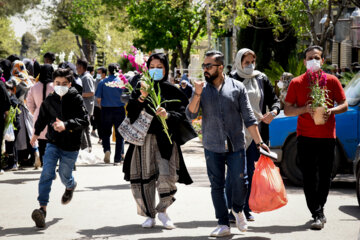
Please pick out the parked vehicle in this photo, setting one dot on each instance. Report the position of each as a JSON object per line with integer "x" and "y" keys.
{"x": 283, "y": 137}
{"x": 357, "y": 172}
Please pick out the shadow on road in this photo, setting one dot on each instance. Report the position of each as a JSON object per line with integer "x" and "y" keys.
{"x": 199, "y": 176}
{"x": 108, "y": 187}
{"x": 26, "y": 230}
{"x": 19, "y": 181}
{"x": 281, "y": 229}
{"x": 33, "y": 172}
{"x": 207, "y": 237}
{"x": 353, "y": 211}
{"x": 108, "y": 232}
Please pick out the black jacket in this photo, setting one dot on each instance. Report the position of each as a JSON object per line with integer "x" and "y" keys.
{"x": 69, "y": 109}
{"x": 268, "y": 100}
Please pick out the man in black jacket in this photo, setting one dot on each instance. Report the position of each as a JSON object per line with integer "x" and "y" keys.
{"x": 65, "y": 115}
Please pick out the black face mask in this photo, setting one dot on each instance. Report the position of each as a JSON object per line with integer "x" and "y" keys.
{"x": 212, "y": 77}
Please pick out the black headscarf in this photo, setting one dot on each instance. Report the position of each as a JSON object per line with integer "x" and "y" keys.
{"x": 45, "y": 77}
{"x": 6, "y": 67}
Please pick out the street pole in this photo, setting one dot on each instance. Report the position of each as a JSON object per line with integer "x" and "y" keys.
{"x": 234, "y": 32}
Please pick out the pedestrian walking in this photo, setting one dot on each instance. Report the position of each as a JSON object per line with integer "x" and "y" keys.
{"x": 226, "y": 109}
{"x": 157, "y": 164}
{"x": 101, "y": 74}
{"x": 112, "y": 114}
{"x": 315, "y": 143}
{"x": 65, "y": 116}
{"x": 4, "y": 108}
{"x": 262, "y": 97}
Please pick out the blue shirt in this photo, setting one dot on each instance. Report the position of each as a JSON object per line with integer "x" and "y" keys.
{"x": 224, "y": 113}
{"x": 110, "y": 97}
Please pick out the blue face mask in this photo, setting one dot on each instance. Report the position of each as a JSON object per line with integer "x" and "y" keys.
{"x": 156, "y": 74}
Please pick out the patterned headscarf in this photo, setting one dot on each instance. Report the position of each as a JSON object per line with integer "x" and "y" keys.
{"x": 20, "y": 75}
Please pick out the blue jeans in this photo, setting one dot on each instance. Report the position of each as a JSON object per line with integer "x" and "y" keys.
{"x": 66, "y": 165}
{"x": 252, "y": 155}
{"x": 236, "y": 162}
{"x": 112, "y": 116}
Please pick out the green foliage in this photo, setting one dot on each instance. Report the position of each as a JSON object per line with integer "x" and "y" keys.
{"x": 295, "y": 66}
{"x": 172, "y": 25}
{"x": 12, "y": 7}
{"x": 55, "y": 43}
{"x": 346, "y": 77}
{"x": 8, "y": 42}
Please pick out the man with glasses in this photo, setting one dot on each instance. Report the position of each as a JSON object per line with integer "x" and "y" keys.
{"x": 225, "y": 110}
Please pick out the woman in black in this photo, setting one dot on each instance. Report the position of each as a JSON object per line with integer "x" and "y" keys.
{"x": 158, "y": 164}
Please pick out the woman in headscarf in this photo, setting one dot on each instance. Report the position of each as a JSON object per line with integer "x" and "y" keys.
{"x": 22, "y": 144}
{"x": 262, "y": 98}
{"x": 157, "y": 164}
{"x": 35, "y": 97}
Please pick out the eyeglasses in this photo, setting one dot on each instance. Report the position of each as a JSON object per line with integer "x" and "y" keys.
{"x": 208, "y": 65}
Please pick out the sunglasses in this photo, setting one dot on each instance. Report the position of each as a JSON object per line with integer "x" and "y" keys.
{"x": 209, "y": 65}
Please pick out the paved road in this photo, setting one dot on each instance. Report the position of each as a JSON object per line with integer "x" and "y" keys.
{"x": 103, "y": 208}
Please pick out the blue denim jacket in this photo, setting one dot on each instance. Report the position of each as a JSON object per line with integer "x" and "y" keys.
{"x": 224, "y": 113}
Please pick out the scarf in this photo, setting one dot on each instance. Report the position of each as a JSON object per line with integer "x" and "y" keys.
{"x": 239, "y": 68}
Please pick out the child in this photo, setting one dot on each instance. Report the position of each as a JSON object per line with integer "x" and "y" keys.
{"x": 64, "y": 113}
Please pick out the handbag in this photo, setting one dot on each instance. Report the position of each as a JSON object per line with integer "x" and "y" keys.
{"x": 135, "y": 133}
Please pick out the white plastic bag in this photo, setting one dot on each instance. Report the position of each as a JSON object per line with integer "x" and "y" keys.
{"x": 9, "y": 133}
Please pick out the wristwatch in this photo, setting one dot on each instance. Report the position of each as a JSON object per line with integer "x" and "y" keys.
{"x": 258, "y": 145}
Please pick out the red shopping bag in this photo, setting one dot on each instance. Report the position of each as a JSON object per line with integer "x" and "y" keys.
{"x": 267, "y": 189}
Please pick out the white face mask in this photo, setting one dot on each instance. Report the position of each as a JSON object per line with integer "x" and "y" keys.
{"x": 98, "y": 76}
{"x": 280, "y": 84}
{"x": 61, "y": 90}
{"x": 249, "y": 69}
{"x": 313, "y": 65}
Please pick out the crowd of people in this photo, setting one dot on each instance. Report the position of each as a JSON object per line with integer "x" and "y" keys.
{"x": 52, "y": 107}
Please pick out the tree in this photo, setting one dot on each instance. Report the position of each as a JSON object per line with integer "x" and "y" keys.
{"x": 29, "y": 46}
{"x": 8, "y": 42}
{"x": 11, "y": 7}
{"x": 171, "y": 25}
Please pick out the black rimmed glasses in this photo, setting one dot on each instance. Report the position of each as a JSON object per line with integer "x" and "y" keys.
{"x": 209, "y": 65}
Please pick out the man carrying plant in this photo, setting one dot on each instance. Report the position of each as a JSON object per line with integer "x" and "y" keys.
{"x": 315, "y": 143}
{"x": 226, "y": 110}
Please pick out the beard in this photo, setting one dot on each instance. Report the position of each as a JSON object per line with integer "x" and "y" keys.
{"x": 210, "y": 78}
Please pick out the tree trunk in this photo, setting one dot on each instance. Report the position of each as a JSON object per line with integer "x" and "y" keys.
{"x": 174, "y": 57}
{"x": 89, "y": 50}
{"x": 208, "y": 25}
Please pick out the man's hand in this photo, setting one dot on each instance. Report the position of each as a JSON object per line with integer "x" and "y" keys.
{"x": 265, "y": 147}
{"x": 267, "y": 118}
{"x": 327, "y": 114}
{"x": 161, "y": 112}
{"x": 58, "y": 125}
{"x": 33, "y": 140}
{"x": 199, "y": 85}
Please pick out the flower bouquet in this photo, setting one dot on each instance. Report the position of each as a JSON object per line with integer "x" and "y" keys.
{"x": 138, "y": 61}
{"x": 318, "y": 95}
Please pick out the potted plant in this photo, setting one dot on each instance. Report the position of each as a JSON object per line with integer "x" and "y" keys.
{"x": 318, "y": 95}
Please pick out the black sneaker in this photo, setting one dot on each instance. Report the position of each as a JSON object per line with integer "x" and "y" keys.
{"x": 39, "y": 215}
{"x": 317, "y": 224}
{"x": 67, "y": 196}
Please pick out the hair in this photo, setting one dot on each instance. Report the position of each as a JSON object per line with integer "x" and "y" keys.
{"x": 219, "y": 56}
{"x": 13, "y": 57}
{"x": 64, "y": 72}
{"x": 113, "y": 67}
{"x": 313, "y": 47}
{"x": 90, "y": 68}
{"x": 163, "y": 59}
{"x": 82, "y": 63}
{"x": 250, "y": 52}
{"x": 103, "y": 70}
{"x": 50, "y": 56}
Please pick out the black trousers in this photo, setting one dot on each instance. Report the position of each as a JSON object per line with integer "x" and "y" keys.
{"x": 96, "y": 121}
{"x": 316, "y": 156}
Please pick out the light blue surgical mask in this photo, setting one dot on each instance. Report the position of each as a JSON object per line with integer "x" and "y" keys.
{"x": 249, "y": 69}
{"x": 156, "y": 74}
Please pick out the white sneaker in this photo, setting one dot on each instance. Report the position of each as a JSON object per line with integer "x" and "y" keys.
{"x": 149, "y": 223}
{"x": 221, "y": 231}
{"x": 166, "y": 221}
{"x": 241, "y": 222}
{"x": 107, "y": 157}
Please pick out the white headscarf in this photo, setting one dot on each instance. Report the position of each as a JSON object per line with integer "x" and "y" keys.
{"x": 239, "y": 68}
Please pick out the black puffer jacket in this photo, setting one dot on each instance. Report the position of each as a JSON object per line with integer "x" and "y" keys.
{"x": 69, "y": 109}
